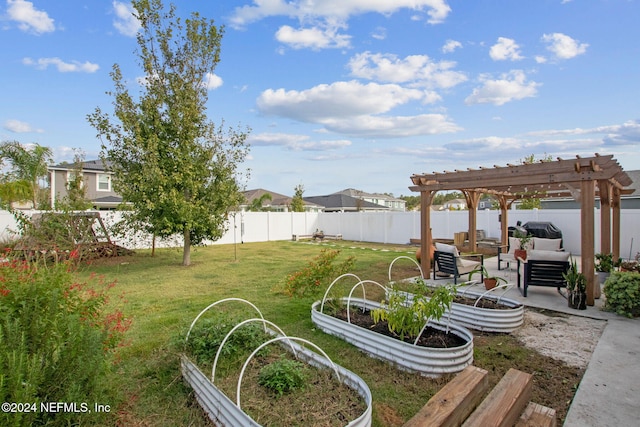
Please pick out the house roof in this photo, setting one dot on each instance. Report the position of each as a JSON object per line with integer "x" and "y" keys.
{"x": 276, "y": 198}
{"x": 90, "y": 165}
{"x": 362, "y": 194}
{"x": 339, "y": 201}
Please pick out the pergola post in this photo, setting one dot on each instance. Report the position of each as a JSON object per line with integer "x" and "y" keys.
{"x": 504, "y": 221}
{"x": 472, "y": 198}
{"x": 605, "y": 216}
{"x": 615, "y": 239}
{"x": 426, "y": 197}
{"x": 587, "y": 205}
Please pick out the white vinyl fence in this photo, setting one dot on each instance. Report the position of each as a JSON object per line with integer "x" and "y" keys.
{"x": 382, "y": 227}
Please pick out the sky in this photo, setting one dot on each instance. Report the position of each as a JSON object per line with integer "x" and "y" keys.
{"x": 351, "y": 93}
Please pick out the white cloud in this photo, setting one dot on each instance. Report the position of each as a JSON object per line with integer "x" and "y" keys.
{"x": 563, "y": 46}
{"x": 627, "y": 133}
{"x": 28, "y": 18}
{"x": 511, "y": 86}
{"x": 213, "y": 81}
{"x": 125, "y": 22}
{"x": 329, "y": 10}
{"x": 313, "y": 38}
{"x": 450, "y": 46}
{"x": 339, "y": 99}
{"x": 380, "y": 33}
{"x": 296, "y": 142}
{"x": 17, "y": 126}
{"x": 418, "y": 69}
{"x": 505, "y": 49}
{"x": 63, "y": 67}
{"x": 392, "y": 126}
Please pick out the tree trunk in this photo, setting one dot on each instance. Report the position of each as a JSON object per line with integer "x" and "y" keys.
{"x": 186, "y": 250}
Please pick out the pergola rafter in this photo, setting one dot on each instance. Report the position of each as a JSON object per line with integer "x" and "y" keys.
{"x": 583, "y": 179}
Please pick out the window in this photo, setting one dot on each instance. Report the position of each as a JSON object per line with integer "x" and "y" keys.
{"x": 71, "y": 179}
{"x": 104, "y": 182}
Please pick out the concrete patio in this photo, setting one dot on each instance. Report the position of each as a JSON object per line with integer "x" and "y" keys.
{"x": 609, "y": 394}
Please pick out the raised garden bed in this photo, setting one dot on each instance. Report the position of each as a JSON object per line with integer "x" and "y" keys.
{"x": 431, "y": 361}
{"x": 224, "y": 412}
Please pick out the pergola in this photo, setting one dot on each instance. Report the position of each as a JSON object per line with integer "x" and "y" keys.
{"x": 584, "y": 179}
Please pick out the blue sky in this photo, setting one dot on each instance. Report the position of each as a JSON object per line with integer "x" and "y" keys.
{"x": 352, "y": 93}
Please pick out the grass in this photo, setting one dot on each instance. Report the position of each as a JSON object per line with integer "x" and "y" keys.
{"x": 163, "y": 298}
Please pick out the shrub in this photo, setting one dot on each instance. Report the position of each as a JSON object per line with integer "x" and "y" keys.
{"x": 407, "y": 316}
{"x": 283, "y": 376}
{"x": 207, "y": 335}
{"x": 623, "y": 293}
{"x": 313, "y": 279}
{"x": 57, "y": 340}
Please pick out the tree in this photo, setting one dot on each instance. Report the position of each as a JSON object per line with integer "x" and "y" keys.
{"x": 29, "y": 165}
{"x": 76, "y": 197}
{"x": 297, "y": 202}
{"x": 257, "y": 204}
{"x": 533, "y": 201}
{"x": 177, "y": 168}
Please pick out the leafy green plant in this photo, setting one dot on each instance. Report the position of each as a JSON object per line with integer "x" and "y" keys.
{"x": 576, "y": 281}
{"x": 316, "y": 276}
{"x": 481, "y": 269}
{"x": 604, "y": 262}
{"x": 406, "y": 315}
{"x": 524, "y": 238}
{"x": 283, "y": 375}
{"x": 207, "y": 335}
{"x": 623, "y": 293}
{"x": 57, "y": 339}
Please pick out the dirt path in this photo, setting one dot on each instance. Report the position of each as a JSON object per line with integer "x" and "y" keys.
{"x": 571, "y": 339}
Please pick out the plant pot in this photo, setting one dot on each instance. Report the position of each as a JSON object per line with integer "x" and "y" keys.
{"x": 520, "y": 253}
{"x": 424, "y": 360}
{"x": 490, "y": 283}
{"x": 577, "y": 300}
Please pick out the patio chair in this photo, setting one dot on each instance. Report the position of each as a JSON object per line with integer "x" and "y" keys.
{"x": 544, "y": 268}
{"x": 448, "y": 261}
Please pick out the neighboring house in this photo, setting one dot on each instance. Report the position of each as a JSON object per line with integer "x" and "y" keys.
{"x": 455, "y": 205}
{"x": 390, "y": 202}
{"x": 486, "y": 203}
{"x": 343, "y": 203}
{"x": 278, "y": 202}
{"x": 627, "y": 201}
{"x": 96, "y": 180}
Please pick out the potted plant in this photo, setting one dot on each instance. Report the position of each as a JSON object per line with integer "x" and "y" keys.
{"x": 576, "y": 287}
{"x": 490, "y": 282}
{"x": 524, "y": 239}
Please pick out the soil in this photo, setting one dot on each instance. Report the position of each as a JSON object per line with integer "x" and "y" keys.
{"x": 431, "y": 337}
{"x": 484, "y": 303}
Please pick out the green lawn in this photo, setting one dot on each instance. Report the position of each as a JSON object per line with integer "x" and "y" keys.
{"x": 163, "y": 298}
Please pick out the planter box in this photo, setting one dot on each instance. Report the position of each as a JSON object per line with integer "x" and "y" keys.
{"x": 425, "y": 360}
{"x": 488, "y": 319}
{"x": 223, "y": 412}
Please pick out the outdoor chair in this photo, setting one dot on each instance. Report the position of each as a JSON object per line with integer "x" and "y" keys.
{"x": 449, "y": 262}
{"x": 537, "y": 243}
{"x": 544, "y": 268}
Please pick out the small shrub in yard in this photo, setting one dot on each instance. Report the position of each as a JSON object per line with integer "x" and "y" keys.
{"x": 57, "y": 342}
{"x": 283, "y": 376}
{"x": 207, "y": 335}
{"x": 623, "y": 293}
{"x": 317, "y": 275}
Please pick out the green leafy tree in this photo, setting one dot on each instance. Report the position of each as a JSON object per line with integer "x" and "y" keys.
{"x": 412, "y": 202}
{"x": 28, "y": 166}
{"x": 532, "y": 202}
{"x": 76, "y": 197}
{"x": 297, "y": 202}
{"x": 176, "y": 167}
{"x": 257, "y": 205}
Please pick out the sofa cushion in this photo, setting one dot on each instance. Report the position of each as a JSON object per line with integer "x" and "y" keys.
{"x": 546, "y": 244}
{"x": 443, "y": 247}
{"x": 538, "y": 255}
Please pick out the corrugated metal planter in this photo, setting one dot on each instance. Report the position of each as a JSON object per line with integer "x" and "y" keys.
{"x": 505, "y": 320}
{"x": 488, "y": 319}
{"x": 225, "y": 413}
{"x": 425, "y": 360}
